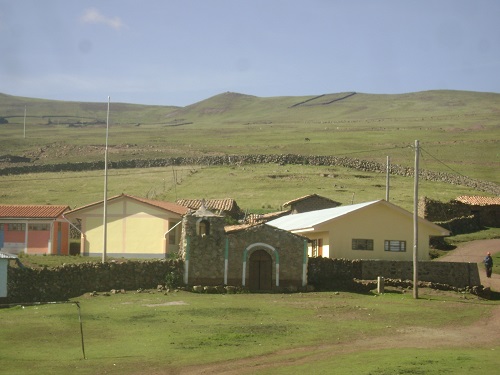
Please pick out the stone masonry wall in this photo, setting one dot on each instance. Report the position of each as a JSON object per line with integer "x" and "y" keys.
{"x": 73, "y": 280}
{"x": 328, "y": 274}
{"x": 69, "y": 281}
{"x": 362, "y": 165}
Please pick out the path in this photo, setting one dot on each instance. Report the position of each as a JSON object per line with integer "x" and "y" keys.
{"x": 474, "y": 252}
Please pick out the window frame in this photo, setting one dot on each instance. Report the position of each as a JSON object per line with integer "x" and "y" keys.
{"x": 363, "y": 244}
{"x": 16, "y": 227}
{"x": 392, "y": 245}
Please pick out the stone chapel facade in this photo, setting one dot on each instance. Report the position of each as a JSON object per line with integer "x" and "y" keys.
{"x": 258, "y": 257}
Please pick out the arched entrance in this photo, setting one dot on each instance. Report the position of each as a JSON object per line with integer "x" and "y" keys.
{"x": 260, "y": 271}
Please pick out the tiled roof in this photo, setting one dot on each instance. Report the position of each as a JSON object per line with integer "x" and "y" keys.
{"x": 31, "y": 211}
{"x": 221, "y": 205}
{"x": 262, "y": 218}
{"x": 169, "y": 206}
{"x": 306, "y": 197}
{"x": 476, "y": 200}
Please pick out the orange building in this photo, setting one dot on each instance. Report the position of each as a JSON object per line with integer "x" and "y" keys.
{"x": 34, "y": 229}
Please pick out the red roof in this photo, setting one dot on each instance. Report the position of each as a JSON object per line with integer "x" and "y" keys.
{"x": 32, "y": 211}
{"x": 169, "y": 206}
{"x": 222, "y": 205}
{"x": 476, "y": 200}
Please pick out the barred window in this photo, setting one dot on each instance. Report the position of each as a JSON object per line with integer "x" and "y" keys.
{"x": 362, "y": 244}
{"x": 44, "y": 227}
{"x": 395, "y": 245}
{"x": 16, "y": 227}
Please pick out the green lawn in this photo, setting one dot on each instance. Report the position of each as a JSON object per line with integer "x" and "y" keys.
{"x": 154, "y": 333}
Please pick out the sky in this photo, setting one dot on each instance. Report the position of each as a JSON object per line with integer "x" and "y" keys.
{"x": 179, "y": 52}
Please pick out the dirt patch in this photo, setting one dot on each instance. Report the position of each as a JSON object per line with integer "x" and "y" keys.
{"x": 483, "y": 333}
{"x": 474, "y": 252}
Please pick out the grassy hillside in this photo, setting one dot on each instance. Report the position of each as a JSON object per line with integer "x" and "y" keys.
{"x": 458, "y": 132}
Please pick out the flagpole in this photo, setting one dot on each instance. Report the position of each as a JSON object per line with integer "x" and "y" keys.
{"x": 105, "y": 211}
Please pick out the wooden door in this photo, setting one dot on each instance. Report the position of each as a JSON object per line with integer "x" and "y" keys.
{"x": 261, "y": 271}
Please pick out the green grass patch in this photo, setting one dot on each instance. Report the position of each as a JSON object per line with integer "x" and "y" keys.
{"x": 152, "y": 332}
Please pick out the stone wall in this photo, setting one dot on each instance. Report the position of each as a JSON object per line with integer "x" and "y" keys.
{"x": 457, "y": 216}
{"x": 328, "y": 274}
{"x": 69, "y": 281}
{"x": 73, "y": 280}
{"x": 358, "y": 164}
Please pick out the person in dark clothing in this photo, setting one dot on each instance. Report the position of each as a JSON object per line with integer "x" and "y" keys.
{"x": 488, "y": 263}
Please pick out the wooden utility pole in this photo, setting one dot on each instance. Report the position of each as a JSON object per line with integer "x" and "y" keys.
{"x": 415, "y": 225}
{"x": 387, "y": 180}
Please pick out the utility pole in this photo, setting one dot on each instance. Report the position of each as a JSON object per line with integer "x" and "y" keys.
{"x": 415, "y": 224}
{"x": 24, "y": 121}
{"x": 387, "y": 180}
{"x": 105, "y": 210}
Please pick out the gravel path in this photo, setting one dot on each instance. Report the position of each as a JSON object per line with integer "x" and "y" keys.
{"x": 474, "y": 252}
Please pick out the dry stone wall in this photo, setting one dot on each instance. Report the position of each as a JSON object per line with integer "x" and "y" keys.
{"x": 69, "y": 281}
{"x": 358, "y": 164}
{"x": 73, "y": 280}
{"x": 335, "y": 274}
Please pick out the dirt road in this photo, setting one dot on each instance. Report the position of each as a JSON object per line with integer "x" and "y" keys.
{"x": 474, "y": 252}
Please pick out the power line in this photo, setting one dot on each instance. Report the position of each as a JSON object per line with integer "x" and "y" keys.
{"x": 442, "y": 162}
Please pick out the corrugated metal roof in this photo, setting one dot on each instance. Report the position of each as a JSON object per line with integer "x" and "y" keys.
{"x": 226, "y": 204}
{"x": 169, "y": 206}
{"x": 312, "y": 218}
{"x": 476, "y": 200}
{"x": 7, "y": 255}
{"x": 20, "y": 211}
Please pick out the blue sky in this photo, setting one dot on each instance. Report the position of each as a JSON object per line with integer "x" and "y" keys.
{"x": 178, "y": 52}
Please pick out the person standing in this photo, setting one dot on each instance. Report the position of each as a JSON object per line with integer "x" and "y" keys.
{"x": 488, "y": 263}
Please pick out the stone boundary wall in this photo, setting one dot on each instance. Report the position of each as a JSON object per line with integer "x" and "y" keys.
{"x": 335, "y": 274}
{"x": 73, "y": 280}
{"x": 461, "y": 225}
{"x": 358, "y": 164}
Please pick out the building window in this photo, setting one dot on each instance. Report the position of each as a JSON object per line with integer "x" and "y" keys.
{"x": 16, "y": 227}
{"x": 393, "y": 245}
{"x": 172, "y": 236}
{"x": 45, "y": 227}
{"x": 362, "y": 244}
{"x": 317, "y": 247}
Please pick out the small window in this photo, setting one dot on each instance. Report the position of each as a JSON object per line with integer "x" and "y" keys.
{"x": 204, "y": 228}
{"x": 317, "y": 247}
{"x": 16, "y": 227}
{"x": 42, "y": 227}
{"x": 393, "y": 245}
{"x": 172, "y": 236}
{"x": 362, "y": 244}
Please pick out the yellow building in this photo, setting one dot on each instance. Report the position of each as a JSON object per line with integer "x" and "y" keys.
{"x": 136, "y": 227}
{"x": 370, "y": 230}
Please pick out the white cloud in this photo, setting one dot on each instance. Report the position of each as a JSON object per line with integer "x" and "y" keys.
{"x": 92, "y": 15}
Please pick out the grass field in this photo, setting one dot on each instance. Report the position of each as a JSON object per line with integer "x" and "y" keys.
{"x": 185, "y": 333}
{"x": 256, "y": 188}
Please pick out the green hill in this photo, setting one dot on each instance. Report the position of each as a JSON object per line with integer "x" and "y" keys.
{"x": 458, "y": 130}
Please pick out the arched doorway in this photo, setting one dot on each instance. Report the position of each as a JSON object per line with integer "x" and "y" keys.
{"x": 260, "y": 271}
